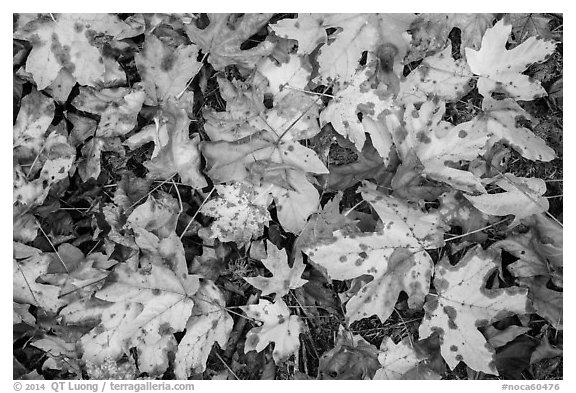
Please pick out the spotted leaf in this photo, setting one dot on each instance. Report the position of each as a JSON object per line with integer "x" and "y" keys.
{"x": 276, "y": 326}
{"x": 463, "y": 304}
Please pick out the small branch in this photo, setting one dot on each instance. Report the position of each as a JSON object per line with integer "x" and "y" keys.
{"x": 226, "y": 365}
{"x": 475, "y": 231}
{"x": 197, "y": 211}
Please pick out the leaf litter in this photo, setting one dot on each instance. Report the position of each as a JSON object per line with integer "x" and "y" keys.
{"x": 196, "y": 158}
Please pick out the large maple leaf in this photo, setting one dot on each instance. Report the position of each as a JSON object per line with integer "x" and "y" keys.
{"x": 500, "y": 69}
{"x": 69, "y": 41}
{"x": 227, "y": 161}
{"x": 277, "y": 326}
{"x": 522, "y": 197}
{"x": 307, "y": 29}
{"x": 178, "y": 154}
{"x": 394, "y": 257}
{"x": 118, "y": 108}
{"x": 146, "y": 307}
{"x": 360, "y": 97}
{"x": 165, "y": 71}
{"x": 430, "y": 31}
{"x": 208, "y": 324}
{"x": 499, "y": 121}
{"x": 225, "y": 34}
{"x": 35, "y": 115}
{"x": 437, "y": 76}
{"x": 29, "y": 264}
{"x": 339, "y": 59}
{"x": 437, "y": 143}
{"x": 463, "y": 304}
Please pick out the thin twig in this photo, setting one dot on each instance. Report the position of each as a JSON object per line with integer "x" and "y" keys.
{"x": 152, "y": 190}
{"x": 197, "y": 211}
{"x": 226, "y": 365}
{"x": 54, "y": 248}
{"x": 476, "y": 230}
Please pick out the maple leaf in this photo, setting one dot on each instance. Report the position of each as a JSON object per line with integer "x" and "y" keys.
{"x": 529, "y": 25}
{"x": 339, "y": 59}
{"x": 499, "y": 120}
{"x": 432, "y": 30}
{"x": 320, "y": 226}
{"x": 277, "y": 326}
{"x": 68, "y": 41}
{"x": 408, "y": 224}
{"x": 498, "y": 338}
{"x": 56, "y": 161}
{"x": 458, "y": 211}
{"x": 437, "y": 76}
{"x": 295, "y": 204}
{"x": 548, "y": 303}
{"x": 29, "y": 264}
{"x": 351, "y": 358}
{"x": 180, "y": 154}
{"x": 285, "y": 76}
{"x": 118, "y": 108}
{"x": 396, "y": 359}
{"x": 437, "y": 142}
{"x": 359, "y": 97}
{"x": 522, "y": 197}
{"x": 224, "y": 35}
{"x": 463, "y": 304}
{"x": 21, "y": 314}
{"x": 147, "y": 306}
{"x": 242, "y": 115}
{"x": 157, "y": 215}
{"x": 394, "y": 268}
{"x": 165, "y": 71}
{"x": 394, "y": 257}
{"x": 307, "y": 29}
{"x": 35, "y": 115}
{"x": 500, "y": 69}
{"x": 208, "y": 324}
{"x": 226, "y": 161}
{"x": 241, "y": 212}
{"x": 283, "y": 277}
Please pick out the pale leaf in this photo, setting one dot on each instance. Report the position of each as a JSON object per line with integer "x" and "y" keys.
{"x": 307, "y": 29}
{"x": 500, "y": 70}
{"x": 165, "y": 71}
{"x": 240, "y": 210}
{"x": 277, "y": 326}
{"x": 208, "y": 324}
{"x": 283, "y": 277}
{"x": 522, "y": 197}
{"x": 222, "y": 38}
{"x": 463, "y": 304}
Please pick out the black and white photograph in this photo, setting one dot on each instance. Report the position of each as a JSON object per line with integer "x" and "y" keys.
{"x": 287, "y": 196}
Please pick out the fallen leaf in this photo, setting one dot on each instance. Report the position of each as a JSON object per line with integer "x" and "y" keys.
{"x": 463, "y": 304}
{"x": 240, "y": 210}
{"x": 500, "y": 69}
{"x": 208, "y": 324}
{"x": 284, "y": 277}
{"x": 522, "y": 197}
{"x": 165, "y": 71}
{"x": 222, "y": 38}
{"x": 277, "y": 326}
